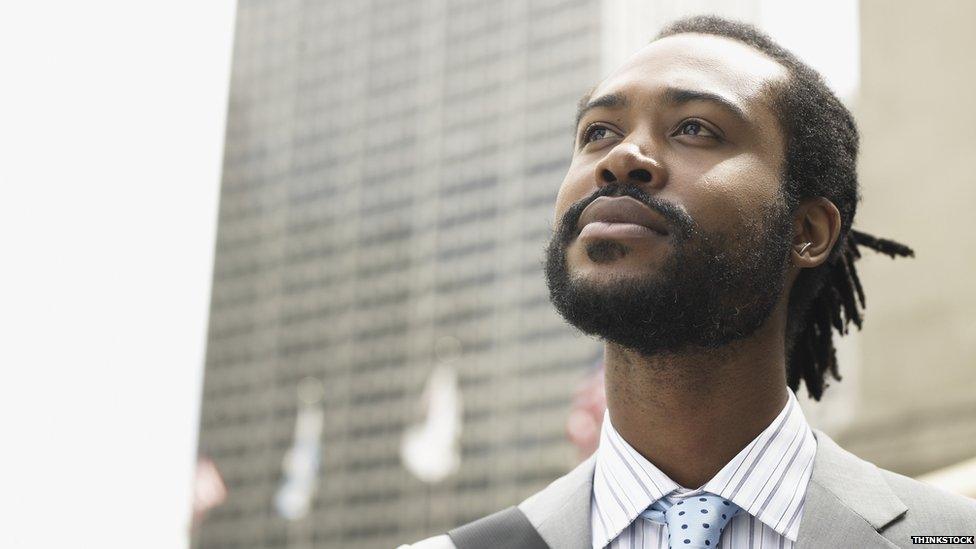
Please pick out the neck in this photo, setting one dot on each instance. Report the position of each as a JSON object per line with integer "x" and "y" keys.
{"x": 690, "y": 413}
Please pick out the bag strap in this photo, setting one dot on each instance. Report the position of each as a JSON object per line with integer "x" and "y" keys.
{"x": 506, "y": 529}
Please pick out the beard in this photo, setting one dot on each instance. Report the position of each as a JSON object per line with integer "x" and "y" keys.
{"x": 711, "y": 290}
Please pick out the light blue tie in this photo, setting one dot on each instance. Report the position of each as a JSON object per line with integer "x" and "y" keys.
{"x": 695, "y": 522}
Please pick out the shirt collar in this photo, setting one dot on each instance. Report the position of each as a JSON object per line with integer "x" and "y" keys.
{"x": 763, "y": 478}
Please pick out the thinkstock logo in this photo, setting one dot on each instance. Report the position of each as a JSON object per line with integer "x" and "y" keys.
{"x": 942, "y": 540}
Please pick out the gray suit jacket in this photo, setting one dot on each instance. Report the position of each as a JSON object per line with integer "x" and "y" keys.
{"x": 849, "y": 503}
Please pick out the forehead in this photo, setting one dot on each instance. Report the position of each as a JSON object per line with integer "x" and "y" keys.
{"x": 699, "y": 62}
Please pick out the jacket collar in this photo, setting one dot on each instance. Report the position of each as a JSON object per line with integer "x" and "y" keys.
{"x": 847, "y": 504}
{"x": 561, "y": 511}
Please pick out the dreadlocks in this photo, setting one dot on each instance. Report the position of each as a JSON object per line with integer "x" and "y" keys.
{"x": 825, "y": 298}
{"x": 821, "y": 160}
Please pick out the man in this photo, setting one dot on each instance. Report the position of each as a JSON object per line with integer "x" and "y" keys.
{"x": 703, "y": 231}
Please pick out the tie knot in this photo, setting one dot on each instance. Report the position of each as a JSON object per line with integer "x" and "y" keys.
{"x": 694, "y": 522}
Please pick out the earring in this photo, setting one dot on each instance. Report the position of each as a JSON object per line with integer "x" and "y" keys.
{"x": 804, "y": 248}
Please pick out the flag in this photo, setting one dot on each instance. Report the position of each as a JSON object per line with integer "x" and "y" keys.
{"x": 300, "y": 465}
{"x": 431, "y": 450}
{"x": 586, "y": 413}
{"x": 209, "y": 489}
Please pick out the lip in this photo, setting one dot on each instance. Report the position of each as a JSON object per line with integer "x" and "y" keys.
{"x": 622, "y": 210}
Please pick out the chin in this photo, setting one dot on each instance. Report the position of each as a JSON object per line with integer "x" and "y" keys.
{"x": 608, "y": 261}
{"x": 602, "y": 274}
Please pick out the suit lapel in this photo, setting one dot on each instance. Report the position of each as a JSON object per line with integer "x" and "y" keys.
{"x": 561, "y": 511}
{"x": 847, "y": 501}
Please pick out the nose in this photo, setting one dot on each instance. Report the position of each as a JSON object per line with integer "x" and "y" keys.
{"x": 627, "y": 164}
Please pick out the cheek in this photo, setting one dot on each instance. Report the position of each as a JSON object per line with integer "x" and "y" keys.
{"x": 732, "y": 193}
{"x": 572, "y": 190}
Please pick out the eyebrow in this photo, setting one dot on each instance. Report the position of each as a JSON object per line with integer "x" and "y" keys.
{"x": 608, "y": 101}
{"x": 678, "y": 96}
{"x": 672, "y": 96}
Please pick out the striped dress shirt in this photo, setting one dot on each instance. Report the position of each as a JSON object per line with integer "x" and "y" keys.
{"x": 767, "y": 479}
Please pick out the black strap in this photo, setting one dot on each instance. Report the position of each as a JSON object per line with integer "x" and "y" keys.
{"x": 506, "y": 529}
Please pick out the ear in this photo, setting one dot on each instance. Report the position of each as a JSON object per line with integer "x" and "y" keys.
{"x": 816, "y": 226}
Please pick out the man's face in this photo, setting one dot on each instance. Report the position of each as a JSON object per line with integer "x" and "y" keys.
{"x": 671, "y": 228}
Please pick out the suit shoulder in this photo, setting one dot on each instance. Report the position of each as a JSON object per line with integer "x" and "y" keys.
{"x": 537, "y": 508}
{"x": 437, "y": 542}
{"x": 930, "y": 505}
{"x": 540, "y": 504}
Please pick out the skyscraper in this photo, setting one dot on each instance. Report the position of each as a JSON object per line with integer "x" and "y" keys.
{"x": 389, "y": 176}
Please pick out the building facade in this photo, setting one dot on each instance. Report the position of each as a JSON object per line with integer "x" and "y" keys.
{"x": 389, "y": 176}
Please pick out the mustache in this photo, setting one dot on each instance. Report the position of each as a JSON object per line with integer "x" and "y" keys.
{"x": 680, "y": 221}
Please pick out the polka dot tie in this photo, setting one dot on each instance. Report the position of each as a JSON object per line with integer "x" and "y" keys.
{"x": 697, "y": 521}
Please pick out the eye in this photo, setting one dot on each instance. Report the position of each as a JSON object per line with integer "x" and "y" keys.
{"x": 695, "y": 128}
{"x": 595, "y": 133}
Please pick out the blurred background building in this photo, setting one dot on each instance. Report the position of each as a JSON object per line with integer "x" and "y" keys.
{"x": 388, "y": 183}
{"x": 382, "y": 360}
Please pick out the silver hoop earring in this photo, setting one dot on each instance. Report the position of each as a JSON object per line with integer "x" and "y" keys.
{"x": 804, "y": 248}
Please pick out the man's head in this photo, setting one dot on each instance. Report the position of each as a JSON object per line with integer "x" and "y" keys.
{"x": 701, "y": 167}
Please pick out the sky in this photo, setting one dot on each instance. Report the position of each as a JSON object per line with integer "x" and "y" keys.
{"x": 111, "y": 131}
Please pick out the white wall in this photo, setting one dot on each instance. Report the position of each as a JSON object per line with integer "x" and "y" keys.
{"x": 111, "y": 132}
